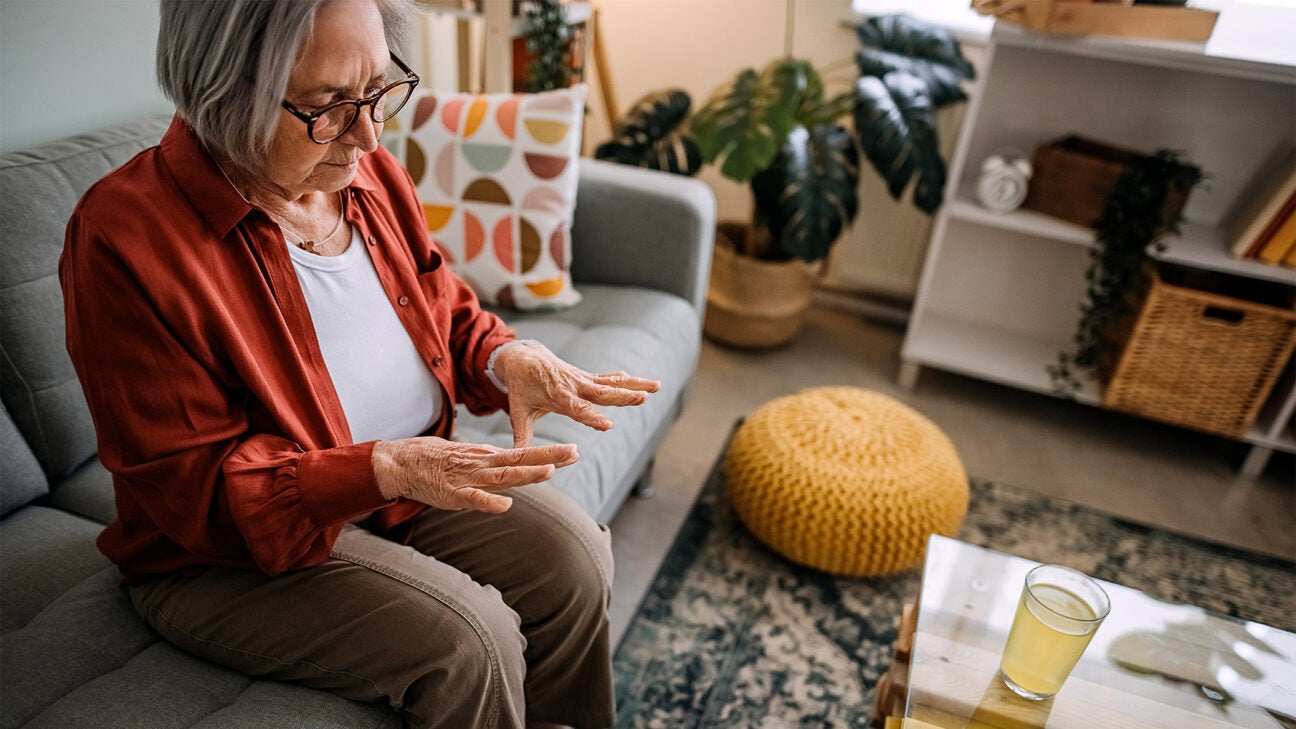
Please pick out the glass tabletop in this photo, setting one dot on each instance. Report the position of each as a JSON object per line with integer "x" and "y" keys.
{"x": 1152, "y": 663}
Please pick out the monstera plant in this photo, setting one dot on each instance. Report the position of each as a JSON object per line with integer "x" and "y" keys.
{"x": 780, "y": 131}
{"x": 652, "y": 134}
{"x": 908, "y": 70}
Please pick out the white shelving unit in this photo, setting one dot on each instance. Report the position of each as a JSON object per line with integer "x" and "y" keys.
{"x": 1000, "y": 294}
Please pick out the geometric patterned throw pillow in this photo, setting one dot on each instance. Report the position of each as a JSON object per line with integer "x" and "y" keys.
{"x": 497, "y": 176}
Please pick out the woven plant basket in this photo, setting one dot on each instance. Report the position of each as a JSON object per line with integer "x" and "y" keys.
{"x": 1199, "y": 358}
{"x": 753, "y": 303}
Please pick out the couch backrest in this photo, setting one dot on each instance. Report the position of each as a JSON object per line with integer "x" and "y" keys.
{"x": 21, "y": 478}
{"x": 40, "y": 187}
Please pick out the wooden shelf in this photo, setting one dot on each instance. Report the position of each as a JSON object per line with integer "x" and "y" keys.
{"x": 499, "y": 29}
{"x": 1020, "y": 360}
{"x": 999, "y": 293}
{"x": 1202, "y": 247}
{"x": 1020, "y": 220}
{"x": 1199, "y": 246}
{"x": 1236, "y": 60}
{"x": 989, "y": 353}
{"x": 574, "y": 13}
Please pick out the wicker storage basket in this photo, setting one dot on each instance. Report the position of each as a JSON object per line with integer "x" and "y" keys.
{"x": 1203, "y": 359}
{"x": 1071, "y": 178}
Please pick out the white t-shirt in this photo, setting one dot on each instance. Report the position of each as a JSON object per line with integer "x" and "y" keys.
{"x": 386, "y": 389}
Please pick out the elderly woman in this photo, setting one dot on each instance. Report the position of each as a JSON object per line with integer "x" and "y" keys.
{"x": 272, "y": 350}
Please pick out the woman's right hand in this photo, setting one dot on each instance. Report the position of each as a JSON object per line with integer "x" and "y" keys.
{"x": 454, "y": 476}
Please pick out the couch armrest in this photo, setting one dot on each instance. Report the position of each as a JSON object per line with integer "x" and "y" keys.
{"x": 643, "y": 228}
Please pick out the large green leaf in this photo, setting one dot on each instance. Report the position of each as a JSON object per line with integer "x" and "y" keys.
{"x": 895, "y": 122}
{"x": 743, "y": 124}
{"x": 808, "y": 195}
{"x": 813, "y": 108}
{"x": 651, "y": 135}
{"x": 900, "y": 43}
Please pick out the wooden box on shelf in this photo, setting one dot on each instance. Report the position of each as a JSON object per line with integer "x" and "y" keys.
{"x": 1071, "y": 178}
{"x": 1067, "y": 17}
{"x": 1203, "y": 351}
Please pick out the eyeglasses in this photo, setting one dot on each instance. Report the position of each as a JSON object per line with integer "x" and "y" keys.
{"x": 334, "y": 120}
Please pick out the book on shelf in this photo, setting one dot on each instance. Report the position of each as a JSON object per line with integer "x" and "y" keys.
{"x": 1268, "y": 245}
{"x": 1283, "y": 240}
{"x": 1264, "y": 207}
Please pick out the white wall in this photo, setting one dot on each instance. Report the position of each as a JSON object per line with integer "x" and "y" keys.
{"x": 71, "y": 66}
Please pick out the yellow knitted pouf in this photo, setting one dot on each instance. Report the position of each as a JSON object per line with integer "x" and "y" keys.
{"x": 845, "y": 480}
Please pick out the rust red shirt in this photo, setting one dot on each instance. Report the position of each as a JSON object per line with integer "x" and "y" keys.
{"x": 194, "y": 345}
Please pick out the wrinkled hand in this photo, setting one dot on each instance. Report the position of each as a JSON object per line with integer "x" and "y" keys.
{"x": 454, "y": 476}
{"x": 539, "y": 382}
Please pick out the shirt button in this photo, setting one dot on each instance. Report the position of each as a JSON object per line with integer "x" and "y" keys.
{"x": 437, "y": 360}
{"x": 403, "y": 301}
{"x": 373, "y": 241}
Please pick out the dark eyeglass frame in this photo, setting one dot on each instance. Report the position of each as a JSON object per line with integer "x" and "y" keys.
{"x": 411, "y": 78}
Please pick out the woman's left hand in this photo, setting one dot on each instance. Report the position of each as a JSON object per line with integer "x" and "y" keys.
{"x": 539, "y": 382}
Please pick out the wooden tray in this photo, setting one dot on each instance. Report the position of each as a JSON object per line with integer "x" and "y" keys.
{"x": 1103, "y": 18}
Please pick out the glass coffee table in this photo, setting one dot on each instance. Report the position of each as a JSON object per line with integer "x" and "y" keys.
{"x": 1152, "y": 664}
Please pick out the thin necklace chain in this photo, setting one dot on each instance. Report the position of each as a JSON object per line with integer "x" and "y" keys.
{"x": 310, "y": 246}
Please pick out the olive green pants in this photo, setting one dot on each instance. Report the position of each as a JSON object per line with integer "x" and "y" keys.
{"x": 481, "y": 621}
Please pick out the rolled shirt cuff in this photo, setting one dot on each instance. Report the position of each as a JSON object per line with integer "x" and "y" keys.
{"x": 490, "y": 363}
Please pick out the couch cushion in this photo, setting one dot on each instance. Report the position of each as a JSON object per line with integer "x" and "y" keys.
{"x": 89, "y": 661}
{"x": 87, "y": 631}
{"x": 88, "y": 493}
{"x": 166, "y": 688}
{"x": 46, "y": 553}
{"x": 42, "y": 186}
{"x": 21, "y": 478}
{"x": 644, "y": 332}
{"x": 75, "y": 653}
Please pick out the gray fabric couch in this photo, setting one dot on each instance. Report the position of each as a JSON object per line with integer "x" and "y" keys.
{"x": 73, "y": 653}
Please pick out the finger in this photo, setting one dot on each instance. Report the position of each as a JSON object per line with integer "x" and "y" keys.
{"x": 557, "y": 454}
{"x": 506, "y": 477}
{"x": 627, "y": 382}
{"x": 478, "y": 500}
{"x": 584, "y": 412}
{"x": 615, "y": 396}
{"x": 523, "y": 424}
{"x": 430, "y": 443}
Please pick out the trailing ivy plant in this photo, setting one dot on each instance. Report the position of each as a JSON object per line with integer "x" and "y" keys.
{"x": 547, "y": 35}
{"x": 1131, "y": 226}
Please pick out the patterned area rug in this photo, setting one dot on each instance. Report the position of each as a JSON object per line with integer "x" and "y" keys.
{"x": 730, "y": 634}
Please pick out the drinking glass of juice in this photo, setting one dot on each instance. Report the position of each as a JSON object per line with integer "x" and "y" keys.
{"x": 1059, "y": 612}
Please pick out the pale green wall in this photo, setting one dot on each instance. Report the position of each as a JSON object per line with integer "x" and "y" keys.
{"x": 70, "y": 66}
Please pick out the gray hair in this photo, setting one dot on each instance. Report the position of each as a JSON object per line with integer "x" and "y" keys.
{"x": 225, "y": 64}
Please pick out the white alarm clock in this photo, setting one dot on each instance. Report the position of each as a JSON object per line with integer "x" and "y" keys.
{"x": 1001, "y": 187}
